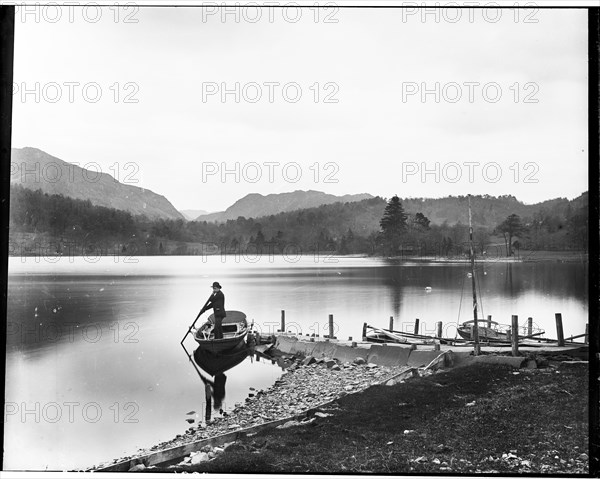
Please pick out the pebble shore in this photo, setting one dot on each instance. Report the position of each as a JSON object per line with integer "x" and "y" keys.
{"x": 305, "y": 384}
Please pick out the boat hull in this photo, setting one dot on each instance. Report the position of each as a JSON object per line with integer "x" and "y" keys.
{"x": 235, "y": 328}
{"x": 485, "y": 334}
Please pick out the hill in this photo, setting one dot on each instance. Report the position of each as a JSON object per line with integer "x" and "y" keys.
{"x": 256, "y": 205}
{"x": 192, "y": 214}
{"x": 37, "y": 170}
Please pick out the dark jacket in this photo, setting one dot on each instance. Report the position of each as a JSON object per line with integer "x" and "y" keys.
{"x": 216, "y": 301}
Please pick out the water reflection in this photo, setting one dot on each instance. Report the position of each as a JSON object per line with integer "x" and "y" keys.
{"x": 211, "y": 367}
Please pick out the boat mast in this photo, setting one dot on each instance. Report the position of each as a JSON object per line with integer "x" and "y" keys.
{"x": 475, "y": 322}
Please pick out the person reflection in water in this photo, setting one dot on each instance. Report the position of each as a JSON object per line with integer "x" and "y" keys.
{"x": 216, "y": 302}
{"x": 215, "y": 393}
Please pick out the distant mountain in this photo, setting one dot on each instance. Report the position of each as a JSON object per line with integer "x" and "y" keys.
{"x": 256, "y": 205}
{"x": 35, "y": 169}
{"x": 192, "y": 214}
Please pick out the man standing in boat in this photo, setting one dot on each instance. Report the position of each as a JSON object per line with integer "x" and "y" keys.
{"x": 216, "y": 302}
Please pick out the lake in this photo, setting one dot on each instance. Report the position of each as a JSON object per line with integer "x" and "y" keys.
{"x": 94, "y": 368}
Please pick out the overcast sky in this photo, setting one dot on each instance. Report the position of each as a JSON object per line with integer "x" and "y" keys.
{"x": 378, "y": 136}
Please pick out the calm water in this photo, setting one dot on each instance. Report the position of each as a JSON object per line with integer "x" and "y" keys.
{"x": 94, "y": 365}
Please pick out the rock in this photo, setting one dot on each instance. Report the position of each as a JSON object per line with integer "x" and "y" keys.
{"x": 336, "y": 368}
{"x": 234, "y": 426}
{"x": 372, "y": 365}
{"x": 583, "y": 457}
{"x": 359, "y": 360}
{"x": 137, "y": 468}
{"x": 409, "y": 431}
{"x": 309, "y": 360}
{"x": 322, "y": 414}
{"x": 200, "y": 457}
{"x": 330, "y": 363}
{"x": 531, "y": 364}
{"x": 235, "y": 447}
{"x": 542, "y": 362}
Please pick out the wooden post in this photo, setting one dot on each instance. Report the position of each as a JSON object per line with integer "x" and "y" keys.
{"x": 417, "y": 326}
{"x": 283, "y": 321}
{"x": 439, "y": 329}
{"x": 587, "y": 333}
{"x": 489, "y": 323}
{"x": 529, "y": 326}
{"x": 476, "y": 347}
{"x": 559, "y": 329}
{"x": 515, "y": 335}
{"x": 331, "y": 327}
{"x": 364, "y": 332}
{"x": 391, "y": 323}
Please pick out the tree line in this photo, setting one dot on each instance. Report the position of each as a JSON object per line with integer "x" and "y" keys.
{"x": 373, "y": 226}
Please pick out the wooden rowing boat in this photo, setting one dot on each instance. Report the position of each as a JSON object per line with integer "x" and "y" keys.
{"x": 492, "y": 331}
{"x": 235, "y": 328}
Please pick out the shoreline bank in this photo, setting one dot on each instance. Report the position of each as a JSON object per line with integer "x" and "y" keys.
{"x": 306, "y": 390}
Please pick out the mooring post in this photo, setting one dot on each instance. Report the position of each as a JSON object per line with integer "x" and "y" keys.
{"x": 475, "y": 335}
{"x": 587, "y": 330}
{"x": 331, "y": 327}
{"x": 515, "y": 335}
{"x": 417, "y": 326}
{"x": 439, "y": 329}
{"x": 364, "y": 333}
{"x": 391, "y": 323}
{"x": 489, "y": 322}
{"x": 529, "y": 326}
{"x": 283, "y": 321}
{"x": 559, "y": 329}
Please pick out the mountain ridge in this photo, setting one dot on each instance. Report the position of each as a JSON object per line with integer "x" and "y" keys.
{"x": 35, "y": 169}
{"x": 255, "y": 205}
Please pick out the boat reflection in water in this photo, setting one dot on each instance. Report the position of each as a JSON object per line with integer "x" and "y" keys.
{"x": 211, "y": 367}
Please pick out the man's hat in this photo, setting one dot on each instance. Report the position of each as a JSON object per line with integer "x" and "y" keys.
{"x": 216, "y": 285}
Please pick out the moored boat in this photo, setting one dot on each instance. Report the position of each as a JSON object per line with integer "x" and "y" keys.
{"x": 490, "y": 331}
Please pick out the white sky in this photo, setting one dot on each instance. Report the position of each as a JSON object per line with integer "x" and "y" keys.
{"x": 370, "y": 135}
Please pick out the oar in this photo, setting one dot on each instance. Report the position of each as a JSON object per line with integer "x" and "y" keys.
{"x": 194, "y": 323}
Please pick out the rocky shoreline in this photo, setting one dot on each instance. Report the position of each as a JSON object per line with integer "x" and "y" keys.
{"x": 307, "y": 383}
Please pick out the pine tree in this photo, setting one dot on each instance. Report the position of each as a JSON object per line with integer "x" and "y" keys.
{"x": 393, "y": 225}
